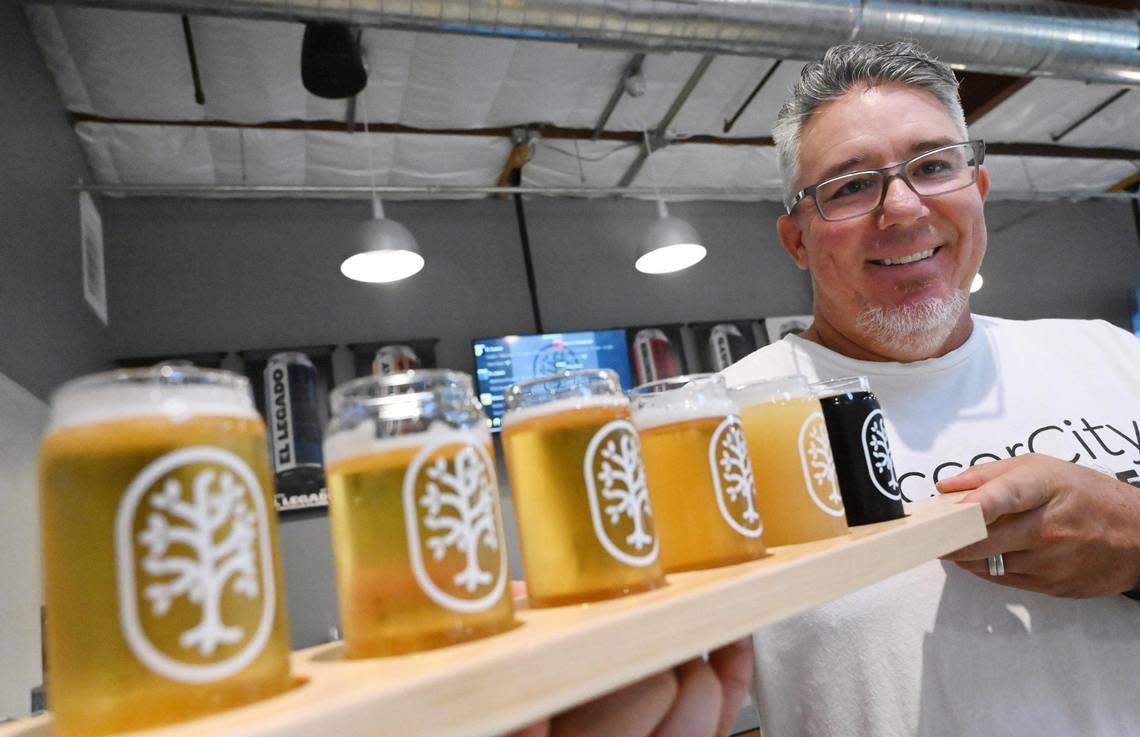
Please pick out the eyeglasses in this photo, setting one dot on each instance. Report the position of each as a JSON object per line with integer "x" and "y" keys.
{"x": 939, "y": 171}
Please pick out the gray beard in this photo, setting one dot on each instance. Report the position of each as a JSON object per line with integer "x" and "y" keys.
{"x": 915, "y": 329}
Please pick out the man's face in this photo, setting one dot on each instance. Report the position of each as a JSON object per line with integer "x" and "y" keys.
{"x": 853, "y": 283}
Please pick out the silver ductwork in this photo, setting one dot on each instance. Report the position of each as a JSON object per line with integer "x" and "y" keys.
{"x": 1014, "y": 37}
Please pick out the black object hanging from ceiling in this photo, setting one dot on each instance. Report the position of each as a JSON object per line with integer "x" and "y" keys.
{"x": 331, "y": 64}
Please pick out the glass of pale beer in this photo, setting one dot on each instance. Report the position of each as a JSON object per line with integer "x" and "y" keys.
{"x": 797, "y": 492}
{"x": 162, "y": 578}
{"x": 421, "y": 558}
{"x": 699, "y": 472}
{"x": 586, "y": 524}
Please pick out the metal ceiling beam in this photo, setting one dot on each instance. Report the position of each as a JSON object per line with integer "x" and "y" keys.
{"x": 1088, "y": 116}
{"x": 553, "y": 132}
{"x": 729, "y": 122}
{"x": 773, "y": 194}
{"x": 632, "y": 69}
{"x": 658, "y": 135}
{"x": 1055, "y": 39}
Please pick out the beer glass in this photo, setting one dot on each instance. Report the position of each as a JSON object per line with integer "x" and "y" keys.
{"x": 796, "y": 489}
{"x": 858, "y": 433}
{"x": 699, "y": 472}
{"x": 586, "y": 525}
{"x": 162, "y": 578}
{"x": 421, "y": 560}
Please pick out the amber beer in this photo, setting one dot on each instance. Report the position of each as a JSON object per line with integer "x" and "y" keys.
{"x": 586, "y": 525}
{"x": 162, "y": 580}
{"x": 699, "y": 472}
{"x": 796, "y": 487}
{"x": 417, "y": 534}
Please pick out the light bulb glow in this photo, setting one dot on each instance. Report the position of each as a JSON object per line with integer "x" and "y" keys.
{"x": 977, "y": 283}
{"x": 670, "y": 258}
{"x": 382, "y": 267}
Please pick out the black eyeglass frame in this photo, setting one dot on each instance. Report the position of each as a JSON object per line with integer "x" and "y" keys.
{"x": 888, "y": 173}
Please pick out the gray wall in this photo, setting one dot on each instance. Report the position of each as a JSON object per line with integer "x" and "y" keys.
{"x": 47, "y": 332}
{"x": 1054, "y": 259}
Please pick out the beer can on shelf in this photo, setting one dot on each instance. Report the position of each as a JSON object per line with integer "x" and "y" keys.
{"x": 293, "y": 417}
{"x": 654, "y": 356}
{"x": 395, "y": 359}
{"x": 727, "y": 345}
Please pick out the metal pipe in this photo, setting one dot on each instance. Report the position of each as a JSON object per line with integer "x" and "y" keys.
{"x": 1011, "y": 37}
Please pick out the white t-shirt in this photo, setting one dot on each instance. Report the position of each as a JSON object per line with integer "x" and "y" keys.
{"x": 937, "y": 650}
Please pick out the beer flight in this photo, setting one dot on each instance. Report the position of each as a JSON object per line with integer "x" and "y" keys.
{"x": 163, "y": 583}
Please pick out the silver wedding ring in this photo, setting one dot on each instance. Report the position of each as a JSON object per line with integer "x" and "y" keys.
{"x": 996, "y": 564}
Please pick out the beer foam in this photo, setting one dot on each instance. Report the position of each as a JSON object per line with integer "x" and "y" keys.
{"x": 681, "y": 409}
{"x": 114, "y": 402}
{"x": 362, "y": 441}
{"x": 569, "y": 404}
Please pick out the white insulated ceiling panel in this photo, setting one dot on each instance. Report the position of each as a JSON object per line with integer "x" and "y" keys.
{"x": 134, "y": 66}
{"x": 713, "y": 165}
{"x": 567, "y": 163}
{"x": 725, "y": 87}
{"x": 556, "y": 83}
{"x": 1027, "y": 177}
{"x": 183, "y": 155}
{"x": 1047, "y": 107}
{"x": 117, "y": 65}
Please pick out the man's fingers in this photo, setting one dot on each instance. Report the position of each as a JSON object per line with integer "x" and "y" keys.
{"x": 633, "y": 711}
{"x": 1017, "y": 491}
{"x": 1010, "y": 533}
{"x": 541, "y": 729}
{"x": 974, "y": 476}
{"x": 697, "y": 708}
{"x": 733, "y": 667}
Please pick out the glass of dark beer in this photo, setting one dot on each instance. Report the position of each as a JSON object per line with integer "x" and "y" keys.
{"x": 858, "y": 433}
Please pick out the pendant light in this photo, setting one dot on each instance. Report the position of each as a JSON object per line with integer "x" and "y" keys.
{"x": 385, "y": 251}
{"x": 671, "y": 244}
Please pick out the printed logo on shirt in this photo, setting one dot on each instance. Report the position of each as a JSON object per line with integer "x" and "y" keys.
{"x": 1077, "y": 441}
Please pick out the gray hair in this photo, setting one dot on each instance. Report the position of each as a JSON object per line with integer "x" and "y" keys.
{"x": 846, "y": 66}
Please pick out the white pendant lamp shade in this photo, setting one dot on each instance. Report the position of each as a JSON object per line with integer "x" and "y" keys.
{"x": 670, "y": 244}
{"x": 385, "y": 251}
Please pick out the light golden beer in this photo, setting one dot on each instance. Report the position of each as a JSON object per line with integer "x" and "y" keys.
{"x": 578, "y": 541}
{"x": 796, "y": 488}
{"x": 384, "y": 609}
{"x": 705, "y": 506}
{"x": 417, "y": 534}
{"x": 126, "y": 481}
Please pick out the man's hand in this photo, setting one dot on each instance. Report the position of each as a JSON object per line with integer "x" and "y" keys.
{"x": 1062, "y": 529}
{"x": 695, "y": 699}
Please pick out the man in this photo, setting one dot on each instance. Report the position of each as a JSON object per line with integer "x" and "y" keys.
{"x": 885, "y": 199}
{"x": 1026, "y": 632}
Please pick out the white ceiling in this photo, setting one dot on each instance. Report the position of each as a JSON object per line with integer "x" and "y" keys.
{"x": 133, "y": 66}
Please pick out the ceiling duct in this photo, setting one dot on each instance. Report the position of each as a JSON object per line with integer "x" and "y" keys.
{"x": 1014, "y": 37}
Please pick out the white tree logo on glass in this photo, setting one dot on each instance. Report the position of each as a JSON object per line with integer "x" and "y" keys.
{"x": 618, "y": 495}
{"x": 819, "y": 466}
{"x": 731, "y": 469}
{"x": 451, "y": 514}
{"x": 880, "y": 465}
{"x": 203, "y": 549}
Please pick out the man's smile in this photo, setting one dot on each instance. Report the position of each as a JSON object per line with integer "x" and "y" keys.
{"x": 907, "y": 259}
